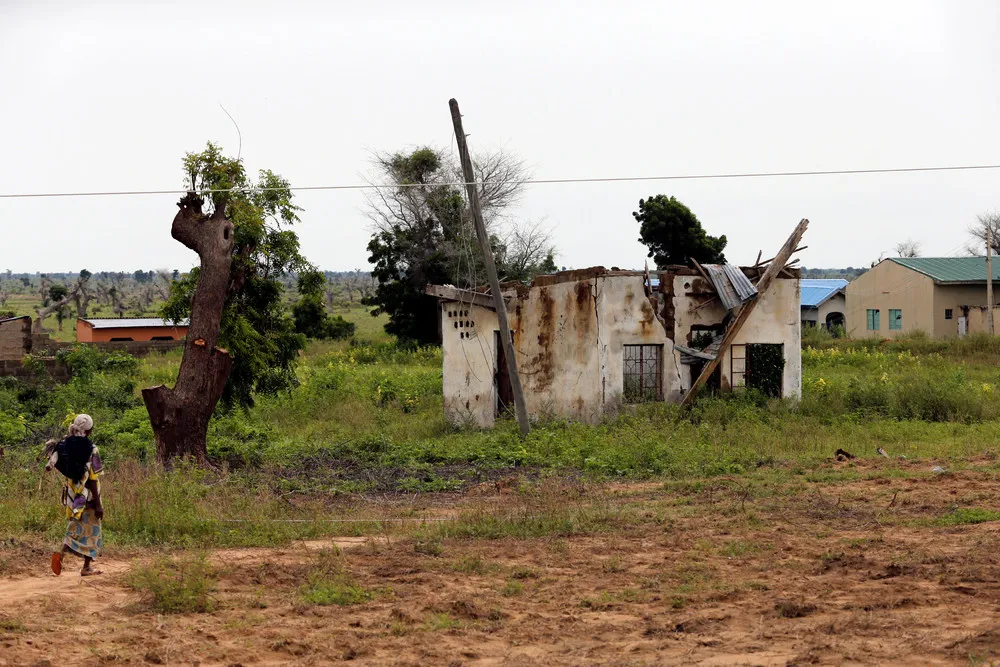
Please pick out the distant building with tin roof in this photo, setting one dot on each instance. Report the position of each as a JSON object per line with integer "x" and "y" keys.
{"x": 105, "y": 330}
{"x": 941, "y": 296}
{"x": 823, "y": 302}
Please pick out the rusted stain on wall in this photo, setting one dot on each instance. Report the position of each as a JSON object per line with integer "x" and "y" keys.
{"x": 667, "y": 301}
{"x": 648, "y": 317}
{"x": 541, "y": 362}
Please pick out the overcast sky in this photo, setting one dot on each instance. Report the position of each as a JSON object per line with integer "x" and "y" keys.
{"x": 109, "y": 96}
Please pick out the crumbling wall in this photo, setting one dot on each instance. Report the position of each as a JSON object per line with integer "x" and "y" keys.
{"x": 569, "y": 333}
{"x": 775, "y": 319}
{"x": 15, "y": 338}
{"x": 977, "y": 321}
{"x": 469, "y": 357}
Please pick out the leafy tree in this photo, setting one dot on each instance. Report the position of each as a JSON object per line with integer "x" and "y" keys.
{"x": 424, "y": 234}
{"x": 233, "y": 299}
{"x": 311, "y": 318}
{"x": 674, "y": 234}
{"x": 57, "y": 292}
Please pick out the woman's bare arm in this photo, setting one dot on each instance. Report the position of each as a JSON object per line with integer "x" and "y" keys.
{"x": 95, "y": 492}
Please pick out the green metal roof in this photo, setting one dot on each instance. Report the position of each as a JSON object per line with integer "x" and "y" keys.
{"x": 951, "y": 269}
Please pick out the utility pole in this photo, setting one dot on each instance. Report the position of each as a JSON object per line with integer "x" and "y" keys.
{"x": 491, "y": 270}
{"x": 989, "y": 277}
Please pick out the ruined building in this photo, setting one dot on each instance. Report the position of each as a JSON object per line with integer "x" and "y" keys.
{"x": 592, "y": 339}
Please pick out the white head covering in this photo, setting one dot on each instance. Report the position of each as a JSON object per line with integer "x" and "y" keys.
{"x": 81, "y": 425}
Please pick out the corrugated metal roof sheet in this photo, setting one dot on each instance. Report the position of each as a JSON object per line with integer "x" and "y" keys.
{"x": 731, "y": 284}
{"x": 743, "y": 286}
{"x": 126, "y": 322}
{"x": 950, "y": 269}
{"x": 816, "y": 291}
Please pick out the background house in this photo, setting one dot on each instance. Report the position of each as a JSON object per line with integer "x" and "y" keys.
{"x": 823, "y": 302}
{"x": 103, "y": 330}
{"x": 942, "y": 296}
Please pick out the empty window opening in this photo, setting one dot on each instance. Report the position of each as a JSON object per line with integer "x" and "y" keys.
{"x": 642, "y": 373}
{"x": 162, "y": 338}
{"x": 759, "y": 366}
{"x": 948, "y": 314}
{"x": 121, "y": 340}
{"x": 503, "y": 390}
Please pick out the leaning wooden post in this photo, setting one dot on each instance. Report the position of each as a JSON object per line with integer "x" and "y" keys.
{"x": 777, "y": 264}
{"x": 491, "y": 270}
{"x": 989, "y": 278}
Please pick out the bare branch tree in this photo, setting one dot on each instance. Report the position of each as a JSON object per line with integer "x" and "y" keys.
{"x": 161, "y": 284}
{"x": 908, "y": 248}
{"x": 988, "y": 220}
{"x": 84, "y": 294}
{"x": 526, "y": 248}
{"x": 55, "y": 306}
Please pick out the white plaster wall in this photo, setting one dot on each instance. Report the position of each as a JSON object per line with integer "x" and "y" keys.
{"x": 568, "y": 338}
{"x": 468, "y": 363}
{"x": 628, "y": 318}
{"x": 775, "y": 319}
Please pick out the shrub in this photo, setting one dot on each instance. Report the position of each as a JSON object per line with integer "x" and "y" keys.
{"x": 231, "y": 438}
{"x": 85, "y": 360}
{"x": 175, "y": 585}
{"x": 12, "y": 428}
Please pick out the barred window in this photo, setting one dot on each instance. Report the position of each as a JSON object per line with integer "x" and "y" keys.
{"x": 643, "y": 373}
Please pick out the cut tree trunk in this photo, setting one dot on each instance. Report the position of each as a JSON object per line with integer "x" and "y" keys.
{"x": 180, "y": 415}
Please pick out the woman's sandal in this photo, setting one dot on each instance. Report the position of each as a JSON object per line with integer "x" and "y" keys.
{"x": 57, "y": 563}
{"x": 90, "y": 573}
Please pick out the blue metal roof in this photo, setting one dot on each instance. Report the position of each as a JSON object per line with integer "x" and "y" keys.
{"x": 816, "y": 291}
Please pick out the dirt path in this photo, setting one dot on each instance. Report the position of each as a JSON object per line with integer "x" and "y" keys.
{"x": 822, "y": 574}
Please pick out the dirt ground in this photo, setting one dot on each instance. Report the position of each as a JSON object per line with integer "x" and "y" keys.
{"x": 866, "y": 567}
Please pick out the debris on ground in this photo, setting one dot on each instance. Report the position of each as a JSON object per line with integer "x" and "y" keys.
{"x": 881, "y": 451}
{"x": 843, "y": 455}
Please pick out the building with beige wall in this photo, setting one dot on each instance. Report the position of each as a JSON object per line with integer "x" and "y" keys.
{"x": 593, "y": 339}
{"x": 936, "y": 295}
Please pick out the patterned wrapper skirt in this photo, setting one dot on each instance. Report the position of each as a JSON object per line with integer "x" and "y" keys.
{"x": 83, "y": 535}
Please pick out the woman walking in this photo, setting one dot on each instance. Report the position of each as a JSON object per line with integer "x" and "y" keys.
{"x": 76, "y": 457}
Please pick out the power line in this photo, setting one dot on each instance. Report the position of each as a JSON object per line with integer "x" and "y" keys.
{"x": 529, "y": 181}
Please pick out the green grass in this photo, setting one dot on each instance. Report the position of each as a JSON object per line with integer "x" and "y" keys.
{"x": 969, "y": 515}
{"x": 441, "y": 622}
{"x": 368, "y": 416}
